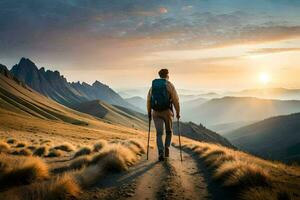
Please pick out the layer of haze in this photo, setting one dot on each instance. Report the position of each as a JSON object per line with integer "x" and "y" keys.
{"x": 206, "y": 44}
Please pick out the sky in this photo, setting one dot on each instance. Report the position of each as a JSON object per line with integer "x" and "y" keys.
{"x": 206, "y": 44}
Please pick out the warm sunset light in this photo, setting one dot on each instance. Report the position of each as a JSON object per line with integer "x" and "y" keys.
{"x": 149, "y": 99}
{"x": 264, "y": 78}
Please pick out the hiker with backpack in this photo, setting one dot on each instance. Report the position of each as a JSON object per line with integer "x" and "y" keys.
{"x": 162, "y": 96}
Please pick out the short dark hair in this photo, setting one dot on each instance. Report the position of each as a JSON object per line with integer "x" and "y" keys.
{"x": 163, "y": 73}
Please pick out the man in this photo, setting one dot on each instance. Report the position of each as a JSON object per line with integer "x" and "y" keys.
{"x": 162, "y": 96}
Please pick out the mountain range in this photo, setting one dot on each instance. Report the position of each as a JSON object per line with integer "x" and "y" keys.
{"x": 55, "y": 86}
{"x": 20, "y": 103}
{"x": 274, "y": 138}
{"x": 238, "y": 109}
{"x": 269, "y": 93}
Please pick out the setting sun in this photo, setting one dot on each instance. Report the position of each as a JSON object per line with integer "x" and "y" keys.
{"x": 264, "y": 78}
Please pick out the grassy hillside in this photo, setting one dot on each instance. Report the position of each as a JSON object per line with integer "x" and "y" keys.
{"x": 275, "y": 138}
{"x": 247, "y": 177}
{"x": 114, "y": 114}
{"x": 200, "y": 133}
{"x": 25, "y": 111}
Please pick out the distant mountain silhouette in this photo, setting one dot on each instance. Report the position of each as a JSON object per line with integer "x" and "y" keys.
{"x": 235, "y": 109}
{"x": 269, "y": 93}
{"x": 228, "y": 127}
{"x": 138, "y": 102}
{"x": 274, "y": 138}
{"x": 54, "y": 85}
{"x": 200, "y": 133}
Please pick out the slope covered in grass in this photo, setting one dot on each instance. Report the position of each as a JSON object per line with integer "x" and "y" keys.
{"x": 114, "y": 114}
{"x": 26, "y": 178}
{"x": 274, "y": 138}
{"x": 247, "y": 176}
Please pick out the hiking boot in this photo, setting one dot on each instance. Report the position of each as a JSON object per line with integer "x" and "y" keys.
{"x": 161, "y": 157}
{"x": 167, "y": 152}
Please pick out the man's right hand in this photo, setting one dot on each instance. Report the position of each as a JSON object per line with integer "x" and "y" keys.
{"x": 178, "y": 116}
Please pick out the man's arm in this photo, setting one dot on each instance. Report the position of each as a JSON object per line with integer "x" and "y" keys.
{"x": 175, "y": 99}
{"x": 149, "y": 103}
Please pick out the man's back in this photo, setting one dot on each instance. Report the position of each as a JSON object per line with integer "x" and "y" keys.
{"x": 163, "y": 111}
{"x": 173, "y": 97}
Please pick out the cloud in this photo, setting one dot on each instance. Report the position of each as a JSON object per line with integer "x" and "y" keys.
{"x": 273, "y": 50}
{"x": 187, "y": 8}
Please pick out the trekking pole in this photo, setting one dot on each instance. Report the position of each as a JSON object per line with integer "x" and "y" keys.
{"x": 148, "y": 138}
{"x": 179, "y": 135}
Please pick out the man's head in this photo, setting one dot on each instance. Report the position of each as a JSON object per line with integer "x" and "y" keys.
{"x": 164, "y": 73}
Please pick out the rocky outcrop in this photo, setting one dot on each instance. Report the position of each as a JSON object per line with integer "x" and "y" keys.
{"x": 54, "y": 85}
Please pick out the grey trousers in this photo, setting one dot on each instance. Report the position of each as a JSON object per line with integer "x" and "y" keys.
{"x": 161, "y": 119}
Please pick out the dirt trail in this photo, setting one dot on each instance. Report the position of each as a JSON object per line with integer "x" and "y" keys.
{"x": 171, "y": 179}
{"x": 192, "y": 180}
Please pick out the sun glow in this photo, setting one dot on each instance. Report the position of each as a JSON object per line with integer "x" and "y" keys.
{"x": 264, "y": 78}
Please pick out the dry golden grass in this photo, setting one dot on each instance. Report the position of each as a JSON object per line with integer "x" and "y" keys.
{"x": 259, "y": 193}
{"x": 22, "y": 152}
{"x": 244, "y": 173}
{"x": 54, "y": 153}
{"x": 4, "y": 147}
{"x": 80, "y": 162}
{"x": 83, "y": 151}
{"x": 58, "y": 188}
{"x": 99, "y": 145}
{"x": 32, "y": 147}
{"x": 118, "y": 159}
{"x": 65, "y": 147}
{"x": 45, "y": 142}
{"x": 89, "y": 175}
{"x": 41, "y": 151}
{"x": 11, "y": 141}
{"x": 21, "y": 144}
{"x": 61, "y": 187}
{"x": 114, "y": 158}
{"x": 19, "y": 171}
{"x": 141, "y": 145}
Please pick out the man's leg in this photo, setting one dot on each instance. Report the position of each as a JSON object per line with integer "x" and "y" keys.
{"x": 168, "y": 123}
{"x": 159, "y": 125}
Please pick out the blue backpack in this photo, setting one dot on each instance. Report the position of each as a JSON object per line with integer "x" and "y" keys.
{"x": 159, "y": 95}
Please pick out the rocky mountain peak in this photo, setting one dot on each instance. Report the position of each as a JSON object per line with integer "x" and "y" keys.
{"x": 25, "y": 62}
{"x": 99, "y": 84}
{"x": 4, "y": 70}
